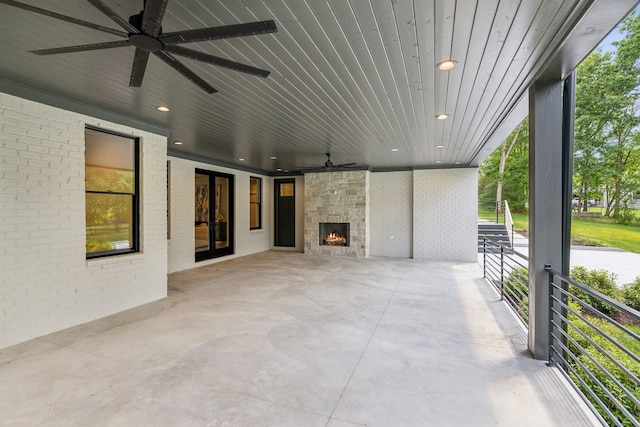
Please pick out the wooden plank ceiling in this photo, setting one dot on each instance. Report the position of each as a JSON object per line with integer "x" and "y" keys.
{"x": 357, "y": 78}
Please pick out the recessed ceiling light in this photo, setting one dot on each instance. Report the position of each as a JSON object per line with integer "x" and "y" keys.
{"x": 273, "y": 157}
{"x": 162, "y": 108}
{"x": 241, "y": 159}
{"x": 438, "y": 161}
{"x": 439, "y": 146}
{"x": 279, "y": 170}
{"x": 447, "y": 65}
{"x": 177, "y": 142}
{"x": 457, "y": 163}
{"x": 442, "y": 116}
{"x": 394, "y": 149}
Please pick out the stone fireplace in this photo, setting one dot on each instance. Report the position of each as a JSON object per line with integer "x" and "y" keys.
{"x": 337, "y": 198}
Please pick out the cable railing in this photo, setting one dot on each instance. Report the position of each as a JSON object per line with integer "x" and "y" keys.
{"x": 507, "y": 270}
{"x": 594, "y": 339}
{"x": 595, "y": 344}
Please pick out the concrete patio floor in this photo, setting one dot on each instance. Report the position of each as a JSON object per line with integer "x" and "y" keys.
{"x": 286, "y": 339}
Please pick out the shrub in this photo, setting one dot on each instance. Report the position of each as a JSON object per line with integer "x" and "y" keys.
{"x": 626, "y": 215}
{"x": 587, "y": 348}
{"x": 602, "y": 281}
{"x": 516, "y": 289}
{"x": 631, "y": 294}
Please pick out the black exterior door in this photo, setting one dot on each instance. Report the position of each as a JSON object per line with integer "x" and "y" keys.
{"x": 214, "y": 214}
{"x": 285, "y": 207}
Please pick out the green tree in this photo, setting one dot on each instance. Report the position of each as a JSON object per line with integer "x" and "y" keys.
{"x": 108, "y": 209}
{"x": 607, "y": 144}
{"x": 592, "y": 115}
{"x": 504, "y": 175}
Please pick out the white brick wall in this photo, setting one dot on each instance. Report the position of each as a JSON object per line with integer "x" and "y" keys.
{"x": 46, "y": 283}
{"x": 445, "y": 214}
{"x": 182, "y": 242}
{"x": 391, "y": 213}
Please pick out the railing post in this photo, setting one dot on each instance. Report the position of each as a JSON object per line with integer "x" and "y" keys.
{"x": 484, "y": 257}
{"x": 513, "y": 239}
{"x": 501, "y": 273}
{"x": 547, "y": 268}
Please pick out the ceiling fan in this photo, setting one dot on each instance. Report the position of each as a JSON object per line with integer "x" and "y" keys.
{"x": 329, "y": 165}
{"x": 144, "y": 32}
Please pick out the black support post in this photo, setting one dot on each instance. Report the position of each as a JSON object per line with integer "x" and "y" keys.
{"x": 545, "y": 204}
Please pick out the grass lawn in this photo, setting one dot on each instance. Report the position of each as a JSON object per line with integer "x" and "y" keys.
{"x": 586, "y": 231}
{"x": 597, "y": 232}
{"x": 100, "y": 238}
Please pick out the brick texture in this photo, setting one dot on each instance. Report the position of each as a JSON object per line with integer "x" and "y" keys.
{"x": 392, "y": 214}
{"x": 46, "y": 283}
{"x": 445, "y": 214}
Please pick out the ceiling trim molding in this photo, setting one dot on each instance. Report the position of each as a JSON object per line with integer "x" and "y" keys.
{"x": 35, "y": 95}
{"x": 441, "y": 167}
{"x": 214, "y": 162}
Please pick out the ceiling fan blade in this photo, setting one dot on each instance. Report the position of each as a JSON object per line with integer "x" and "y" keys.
{"x": 63, "y": 17}
{"x": 223, "y": 32}
{"x": 179, "y": 67}
{"x": 81, "y": 48}
{"x": 216, "y": 60}
{"x": 114, "y": 16}
{"x": 152, "y": 16}
{"x": 345, "y": 165}
{"x": 139, "y": 66}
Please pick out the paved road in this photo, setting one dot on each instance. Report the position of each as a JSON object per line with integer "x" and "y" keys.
{"x": 626, "y": 265}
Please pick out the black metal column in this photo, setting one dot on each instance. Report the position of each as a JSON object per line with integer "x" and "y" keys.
{"x": 545, "y": 204}
{"x": 568, "y": 121}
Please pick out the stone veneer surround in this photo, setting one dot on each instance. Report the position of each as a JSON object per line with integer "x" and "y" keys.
{"x": 337, "y": 197}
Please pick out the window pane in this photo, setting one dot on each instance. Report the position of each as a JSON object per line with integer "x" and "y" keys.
{"x": 110, "y": 162}
{"x": 255, "y": 215}
{"x": 109, "y": 222}
{"x": 202, "y": 233}
{"x": 221, "y": 204}
{"x": 109, "y": 180}
{"x": 286, "y": 189}
{"x": 255, "y": 200}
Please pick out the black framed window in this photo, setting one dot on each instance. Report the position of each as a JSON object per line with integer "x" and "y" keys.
{"x": 255, "y": 203}
{"x": 111, "y": 193}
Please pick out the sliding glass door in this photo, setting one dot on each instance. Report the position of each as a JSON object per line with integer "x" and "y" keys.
{"x": 213, "y": 214}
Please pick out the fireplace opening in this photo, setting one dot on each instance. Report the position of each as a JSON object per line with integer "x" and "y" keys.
{"x": 334, "y": 234}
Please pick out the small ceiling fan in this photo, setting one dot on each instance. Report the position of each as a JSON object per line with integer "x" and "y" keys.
{"x": 144, "y": 32}
{"x": 329, "y": 165}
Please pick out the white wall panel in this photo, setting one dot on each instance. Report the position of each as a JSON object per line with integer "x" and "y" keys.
{"x": 182, "y": 190}
{"x": 445, "y": 214}
{"x": 391, "y": 213}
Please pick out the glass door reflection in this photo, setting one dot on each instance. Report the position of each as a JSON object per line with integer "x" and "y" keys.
{"x": 222, "y": 213}
{"x": 202, "y": 232}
